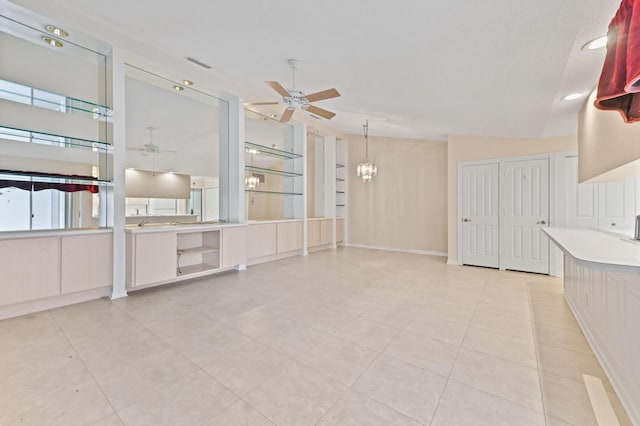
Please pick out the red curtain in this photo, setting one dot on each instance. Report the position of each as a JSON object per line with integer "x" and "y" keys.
{"x": 40, "y": 186}
{"x": 620, "y": 79}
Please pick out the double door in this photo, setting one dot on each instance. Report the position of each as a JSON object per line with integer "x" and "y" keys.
{"x": 504, "y": 205}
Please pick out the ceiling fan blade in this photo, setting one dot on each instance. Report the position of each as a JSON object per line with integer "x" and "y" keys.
{"x": 261, "y": 103}
{"x": 278, "y": 88}
{"x": 321, "y": 112}
{"x": 325, "y": 94}
{"x": 286, "y": 116}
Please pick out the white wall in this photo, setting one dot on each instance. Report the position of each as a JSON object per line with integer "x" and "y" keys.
{"x": 405, "y": 206}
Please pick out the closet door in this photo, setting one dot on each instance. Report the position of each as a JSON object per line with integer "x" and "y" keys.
{"x": 480, "y": 215}
{"x": 526, "y": 192}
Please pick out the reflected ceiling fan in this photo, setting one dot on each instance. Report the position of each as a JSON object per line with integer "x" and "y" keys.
{"x": 295, "y": 98}
{"x": 150, "y": 148}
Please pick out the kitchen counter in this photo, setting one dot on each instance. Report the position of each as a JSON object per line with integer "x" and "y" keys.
{"x": 602, "y": 287}
{"x": 604, "y": 248}
{"x": 164, "y": 227}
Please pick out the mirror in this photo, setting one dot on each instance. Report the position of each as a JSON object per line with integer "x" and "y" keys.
{"x": 273, "y": 169}
{"x": 55, "y": 134}
{"x": 172, "y": 132}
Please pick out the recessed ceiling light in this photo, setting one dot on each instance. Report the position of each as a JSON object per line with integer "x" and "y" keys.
{"x": 572, "y": 97}
{"x": 187, "y": 82}
{"x": 178, "y": 88}
{"x": 596, "y": 43}
{"x": 57, "y": 31}
{"x": 274, "y": 115}
{"x": 52, "y": 42}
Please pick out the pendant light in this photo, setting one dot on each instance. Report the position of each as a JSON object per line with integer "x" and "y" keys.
{"x": 252, "y": 181}
{"x": 366, "y": 170}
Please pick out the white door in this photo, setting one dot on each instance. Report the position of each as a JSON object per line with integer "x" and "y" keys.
{"x": 526, "y": 192}
{"x": 581, "y": 200}
{"x": 480, "y": 215}
{"x": 618, "y": 205}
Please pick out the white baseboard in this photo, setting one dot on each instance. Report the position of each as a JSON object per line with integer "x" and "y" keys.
{"x": 412, "y": 251}
{"x": 31, "y": 306}
{"x": 452, "y": 262}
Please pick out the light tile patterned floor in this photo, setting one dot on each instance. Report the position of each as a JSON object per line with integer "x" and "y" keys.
{"x": 340, "y": 337}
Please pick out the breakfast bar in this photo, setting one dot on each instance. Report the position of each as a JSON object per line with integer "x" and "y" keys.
{"x": 602, "y": 287}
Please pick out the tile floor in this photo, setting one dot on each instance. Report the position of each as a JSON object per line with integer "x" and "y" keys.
{"x": 340, "y": 337}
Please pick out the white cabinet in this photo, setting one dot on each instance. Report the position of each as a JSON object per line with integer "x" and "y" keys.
{"x": 289, "y": 236}
{"x": 86, "y": 262}
{"x": 313, "y": 233}
{"x": 30, "y": 269}
{"x": 157, "y": 257}
{"x": 326, "y": 231}
{"x": 234, "y": 247}
{"x": 339, "y": 230}
{"x": 261, "y": 240}
{"x": 154, "y": 258}
{"x": 617, "y": 205}
{"x": 50, "y": 269}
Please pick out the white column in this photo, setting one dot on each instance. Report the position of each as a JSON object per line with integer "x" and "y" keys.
{"x": 231, "y": 159}
{"x": 116, "y": 196}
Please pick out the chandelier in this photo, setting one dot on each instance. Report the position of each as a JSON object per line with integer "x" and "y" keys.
{"x": 366, "y": 170}
{"x": 251, "y": 182}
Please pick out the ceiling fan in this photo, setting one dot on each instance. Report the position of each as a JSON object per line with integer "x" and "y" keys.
{"x": 295, "y": 98}
{"x": 150, "y": 148}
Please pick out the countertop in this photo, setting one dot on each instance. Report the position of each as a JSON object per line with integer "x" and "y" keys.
{"x": 164, "y": 227}
{"x": 13, "y": 235}
{"x": 589, "y": 245}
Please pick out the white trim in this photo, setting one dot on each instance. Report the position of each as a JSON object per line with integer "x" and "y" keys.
{"x": 605, "y": 415}
{"x": 412, "y": 251}
{"x": 119, "y": 295}
{"x": 31, "y": 306}
{"x": 452, "y": 262}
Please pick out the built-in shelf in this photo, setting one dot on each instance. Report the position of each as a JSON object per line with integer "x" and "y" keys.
{"x": 273, "y": 192}
{"x": 194, "y": 269}
{"x": 52, "y": 101}
{"x": 197, "y": 250}
{"x": 257, "y": 149}
{"x": 51, "y": 139}
{"x": 271, "y": 171}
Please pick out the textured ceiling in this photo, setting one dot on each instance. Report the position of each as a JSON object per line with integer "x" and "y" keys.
{"x": 415, "y": 68}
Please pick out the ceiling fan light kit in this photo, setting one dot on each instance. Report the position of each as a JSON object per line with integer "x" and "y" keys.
{"x": 366, "y": 171}
{"x": 294, "y": 98}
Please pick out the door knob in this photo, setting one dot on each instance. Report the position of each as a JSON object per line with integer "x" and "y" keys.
{"x": 542, "y": 222}
{"x": 466, "y": 220}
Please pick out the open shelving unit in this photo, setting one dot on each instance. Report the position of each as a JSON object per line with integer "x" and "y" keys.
{"x": 341, "y": 185}
{"x": 197, "y": 252}
{"x": 275, "y": 156}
